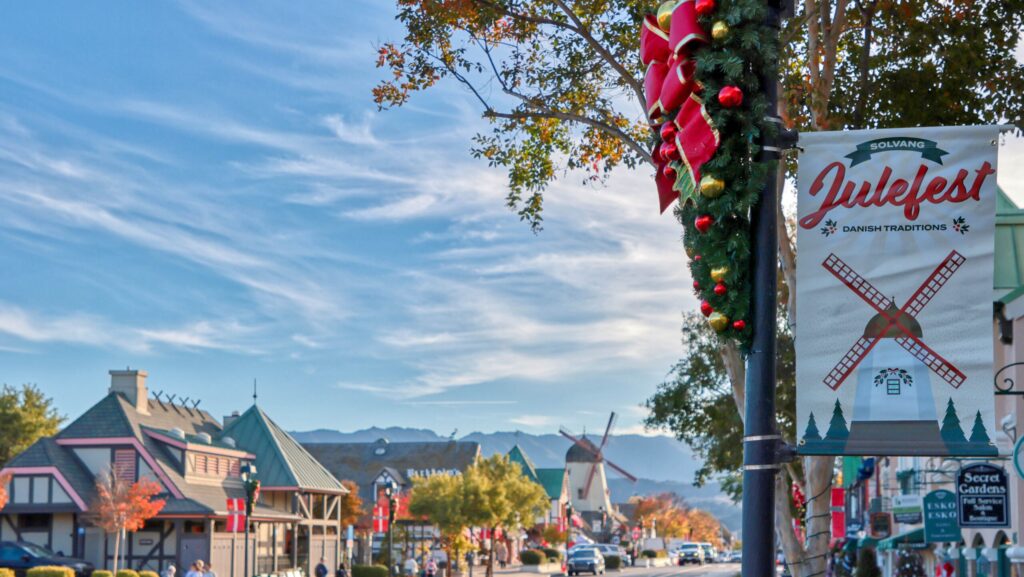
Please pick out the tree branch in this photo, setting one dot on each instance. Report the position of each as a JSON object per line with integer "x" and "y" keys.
{"x": 549, "y": 113}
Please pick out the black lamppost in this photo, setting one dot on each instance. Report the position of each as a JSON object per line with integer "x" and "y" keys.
{"x": 390, "y": 491}
{"x": 568, "y": 534}
{"x": 252, "y": 492}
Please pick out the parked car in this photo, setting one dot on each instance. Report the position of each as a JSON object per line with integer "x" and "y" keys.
{"x": 735, "y": 557}
{"x": 607, "y": 549}
{"x": 20, "y": 557}
{"x": 709, "y": 552}
{"x": 586, "y": 560}
{"x": 691, "y": 553}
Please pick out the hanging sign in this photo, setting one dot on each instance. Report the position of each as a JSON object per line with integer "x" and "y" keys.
{"x": 983, "y": 496}
{"x": 1018, "y": 458}
{"x": 907, "y": 509}
{"x": 896, "y": 234}
{"x": 881, "y": 525}
{"x": 940, "y": 517}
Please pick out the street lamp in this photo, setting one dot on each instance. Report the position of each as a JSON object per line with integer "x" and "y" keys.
{"x": 252, "y": 493}
{"x": 391, "y": 492}
{"x": 568, "y": 534}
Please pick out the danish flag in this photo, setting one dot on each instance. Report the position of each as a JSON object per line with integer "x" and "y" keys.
{"x": 236, "y": 515}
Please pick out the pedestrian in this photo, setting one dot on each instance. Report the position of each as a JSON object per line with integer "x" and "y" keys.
{"x": 169, "y": 571}
{"x": 341, "y": 572}
{"x": 431, "y": 567}
{"x": 193, "y": 571}
{"x": 209, "y": 572}
{"x": 412, "y": 568}
{"x": 321, "y": 569}
{"x": 501, "y": 554}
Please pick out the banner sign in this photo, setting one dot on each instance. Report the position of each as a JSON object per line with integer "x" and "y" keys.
{"x": 896, "y": 232}
{"x": 907, "y": 509}
{"x": 881, "y": 525}
{"x": 983, "y": 496}
{"x": 940, "y": 517}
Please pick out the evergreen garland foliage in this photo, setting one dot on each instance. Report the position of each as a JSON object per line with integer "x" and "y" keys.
{"x": 734, "y": 60}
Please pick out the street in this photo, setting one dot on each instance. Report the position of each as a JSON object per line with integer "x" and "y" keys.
{"x": 710, "y": 570}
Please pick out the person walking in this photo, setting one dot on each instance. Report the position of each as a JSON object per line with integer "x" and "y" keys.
{"x": 169, "y": 571}
{"x": 209, "y": 572}
{"x": 412, "y": 567}
{"x": 341, "y": 572}
{"x": 193, "y": 571}
{"x": 321, "y": 569}
{"x": 431, "y": 567}
{"x": 501, "y": 553}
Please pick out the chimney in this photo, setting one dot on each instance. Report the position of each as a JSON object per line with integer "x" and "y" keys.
{"x": 131, "y": 384}
{"x": 228, "y": 419}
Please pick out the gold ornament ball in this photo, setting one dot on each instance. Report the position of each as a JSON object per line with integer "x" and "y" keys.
{"x": 718, "y": 321}
{"x": 712, "y": 187}
{"x": 665, "y": 14}
{"x": 720, "y": 30}
{"x": 689, "y": 251}
{"x": 718, "y": 274}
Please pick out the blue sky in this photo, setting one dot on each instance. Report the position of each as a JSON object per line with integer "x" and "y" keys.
{"x": 206, "y": 191}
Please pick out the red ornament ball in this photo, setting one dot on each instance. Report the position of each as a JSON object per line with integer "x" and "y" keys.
{"x": 720, "y": 289}
{"x": 697, "y": 257}
{"x": 730, "y": 96}
{"x": 668, "y": 131}
{"x": 739, "y": 325}
{"x": 705, "y": 308}
{"x": 696, "y": 286}
{"x": 669, "y": 151}
{"x": 656, "y": 155}
{"x": 703, "y": 222}
{"x": 669, "y": 171}
{"x": 705, "y": 7}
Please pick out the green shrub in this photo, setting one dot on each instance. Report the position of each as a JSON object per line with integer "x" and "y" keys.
{"x": 148, "y": 574}
{"x": 612, "y": 562}
{"x": 127, "y": 573}
{"x": 50, "y": 571}
{"x": 649, "y": 554}
{"x": 4, "y": 572}
{"x": 102, "y": 573}
{"x": 552, "y": 553}
{"x": 532, "y": 557}
{"x": 369, "y": 571}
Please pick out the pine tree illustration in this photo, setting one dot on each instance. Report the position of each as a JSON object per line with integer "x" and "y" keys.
{"x": 837, "y": 430}
{"x": 812, "y": 434}
{"x": 978, "y": 434}
{"x": 951, "y": 431}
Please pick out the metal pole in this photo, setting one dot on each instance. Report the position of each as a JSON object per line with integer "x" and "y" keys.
{"x": 760, "y": 438}
{"x": 245, "y": 571}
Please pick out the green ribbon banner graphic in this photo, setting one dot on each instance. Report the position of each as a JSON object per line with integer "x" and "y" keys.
{"x": 928, "y": 148}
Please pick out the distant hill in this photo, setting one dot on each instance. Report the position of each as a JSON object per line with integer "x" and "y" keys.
{"x": 660, "y": 458}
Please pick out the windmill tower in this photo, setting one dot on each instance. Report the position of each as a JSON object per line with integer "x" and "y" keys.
{"x": 588, "y": 484}
{"x": 894, "y": 399}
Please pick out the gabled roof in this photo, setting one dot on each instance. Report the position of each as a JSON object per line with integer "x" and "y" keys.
{"x": 47, "y": 453}
{"x": 1009, "y": 250}
{"x": 114, "y": 416}
{"x": 518, "y": 456}
{"x": 280, "y": 460}
{"x": 553, "y": 480}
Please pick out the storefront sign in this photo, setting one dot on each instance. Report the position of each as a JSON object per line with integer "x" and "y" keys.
{"x": 881, "y": 525}
{"x": 896, "y": 231}
{"x": 983, "y": 495}
{"x": 1018, "y": 458}
{"x": 907, "y": 509}
{"x": 940, "y": 517}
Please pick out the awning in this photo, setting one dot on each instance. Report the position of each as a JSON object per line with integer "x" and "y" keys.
{"x": 867, "y": 542}
{"x": 909, "y": 540}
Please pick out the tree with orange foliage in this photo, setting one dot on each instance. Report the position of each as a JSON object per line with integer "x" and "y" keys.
{"x": 704, "y": 527}
{"x": 5, "y": 478}
{"x": 351, "y": 505}
{"x": 122, "y": 507}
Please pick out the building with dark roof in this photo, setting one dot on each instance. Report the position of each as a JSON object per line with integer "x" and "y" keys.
{"x": 197, "y": 464}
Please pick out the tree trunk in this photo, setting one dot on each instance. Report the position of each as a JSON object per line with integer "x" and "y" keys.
{"x": 117, "y": 549}
{"x": 493, "y": 552}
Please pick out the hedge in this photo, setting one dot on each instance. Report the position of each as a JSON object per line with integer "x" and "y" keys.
{"x": 552, "y": 553}
{"x": 102, "y": 573}
{"x": 612, "y": 562}
{"x": 4, "y": 572}
{"x": 148, "y": 574}
{"x": 369, "y": 571}
{"x": 50, "y": 571}
{"x": 649, "y": 554}
{"x": 127, "y": 573}
{"x": 532, "y": 557}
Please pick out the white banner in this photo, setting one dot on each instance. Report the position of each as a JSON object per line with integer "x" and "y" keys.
{"x": 894, "y": 334}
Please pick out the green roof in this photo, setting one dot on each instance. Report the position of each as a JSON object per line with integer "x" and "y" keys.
{"x": 280, "y": 460}
{"x": 1009, "y": 252}
{"x": 517, "y": 455}
{"x": 908, "y": 540}
{"x": 552, "y": 480}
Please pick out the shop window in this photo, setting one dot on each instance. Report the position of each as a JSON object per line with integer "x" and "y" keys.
{"x": 34, "y": 522}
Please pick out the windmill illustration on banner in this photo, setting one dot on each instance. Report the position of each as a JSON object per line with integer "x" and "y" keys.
{"x": 584, "y": 462}
{"x": 894, "y": 399}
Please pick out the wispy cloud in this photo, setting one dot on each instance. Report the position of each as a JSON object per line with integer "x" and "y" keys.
{"x": 532, "y": 420}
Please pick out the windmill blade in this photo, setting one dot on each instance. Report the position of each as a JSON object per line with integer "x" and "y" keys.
{"x": 621, "y": 471}
{"x": 590, "y": 481}
{"x": 587, "y": 445}
{"x": 607, "y": 430}
{"x": 857, "y": 283}
{"x": 849, "y": 362}
{"x": 933, "y": 283}
{"x": 940, "y": 366}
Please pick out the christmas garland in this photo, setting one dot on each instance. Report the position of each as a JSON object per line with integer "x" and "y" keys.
{"x": 705, "y": 143}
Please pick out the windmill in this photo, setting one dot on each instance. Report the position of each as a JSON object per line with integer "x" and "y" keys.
{"x": 892, "y": 362}
{"x": 585, "y": 463}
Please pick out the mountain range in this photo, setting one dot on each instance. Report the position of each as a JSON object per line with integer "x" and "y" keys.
{"x": 661, "y": 464}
